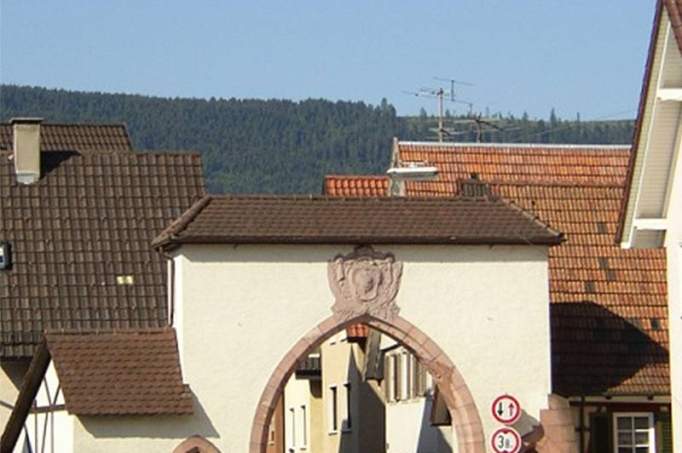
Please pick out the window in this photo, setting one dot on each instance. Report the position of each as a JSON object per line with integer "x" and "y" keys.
{"x": 633, "y": 433}
{"x": 304, "y": 427}
{"x": 405, "y": 378}
{"x": 388, "y": 378}
{"x": 292, "y": 431}
{"x": 333, "y": 410}
{"x": 406, "y": 372}
{"x": 418, "y": 378}
{"x": 346, "y": 424}
{"x": 397, "y": 378}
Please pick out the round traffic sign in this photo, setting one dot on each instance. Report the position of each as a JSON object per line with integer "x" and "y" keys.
{"x": 506, "y": 409}
{"x": 506, "y": 440}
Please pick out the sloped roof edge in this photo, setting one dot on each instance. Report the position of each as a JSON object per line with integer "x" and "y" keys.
{"x": 643, "y": 97}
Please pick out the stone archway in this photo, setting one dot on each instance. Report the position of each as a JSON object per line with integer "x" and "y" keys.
{"x": 465, "y": 418}
{"x": 196, "y": 444}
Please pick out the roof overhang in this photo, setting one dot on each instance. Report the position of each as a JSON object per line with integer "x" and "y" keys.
{"x": 658, "y": 137}
{"x": 149, "y": 351}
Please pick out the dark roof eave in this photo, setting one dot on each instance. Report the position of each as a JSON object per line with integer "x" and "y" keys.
{"x": 615, "y": 394}
{"x": 359, "y": 240}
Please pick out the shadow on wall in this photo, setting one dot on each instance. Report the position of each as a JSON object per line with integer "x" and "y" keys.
{"x": 156, "y": 426}
{"x": 432, "y": 438}
{"x": 596, "y": 351}
{"x": 368, "y": 413}
{"x": 207, "y": 254}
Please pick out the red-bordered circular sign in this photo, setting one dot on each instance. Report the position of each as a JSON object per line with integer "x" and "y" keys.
{"x": 506, "y": 409}
{"x": 506, "y": 440}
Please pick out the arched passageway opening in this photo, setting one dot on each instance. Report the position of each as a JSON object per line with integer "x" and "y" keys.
{"x": 466, "y": 422}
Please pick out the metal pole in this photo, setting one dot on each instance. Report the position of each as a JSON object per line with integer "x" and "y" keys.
{"x": 440, "y": 114}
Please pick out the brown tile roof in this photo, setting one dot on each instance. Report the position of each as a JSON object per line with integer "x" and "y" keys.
{"x": 75, "y": 137}
{"x": 317, "y": 220}
{"x": 81, "y": 242}
{"x": 132, "y": 372}
{"x": 121, "y": 373}
{"x": 609, "y": 312}
{"x": 352, "y": 186}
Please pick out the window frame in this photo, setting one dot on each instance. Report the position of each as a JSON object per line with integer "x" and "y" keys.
{"x": 292, "y": 432}
{"x": 406, "y": 378}
{"x": 332, "y": 410}
{"x": 304, "y": 427}
{"x": 651, "y": 430}
{"x": 347, "y": 421}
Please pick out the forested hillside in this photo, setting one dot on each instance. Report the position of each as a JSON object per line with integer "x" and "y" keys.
{"x": 281, "y": 146}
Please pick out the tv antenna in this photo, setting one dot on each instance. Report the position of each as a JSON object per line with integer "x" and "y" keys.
{"x": 453, "y": 82}
{"x": 480, "y": 122}
{"x": 440, "y": 94}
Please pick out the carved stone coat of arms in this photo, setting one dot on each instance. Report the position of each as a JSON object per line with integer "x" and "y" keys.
{"x": 365, "y": 282}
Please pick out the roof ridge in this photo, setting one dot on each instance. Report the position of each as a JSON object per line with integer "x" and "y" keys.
{"x": 533, "y": 218}
{"x": 347, "y": 176}
{"x": 571, "y": 146}
{"x": 81, "y": 124}
{"x": 547, "y": 183}
{"x": 163, "y": 152}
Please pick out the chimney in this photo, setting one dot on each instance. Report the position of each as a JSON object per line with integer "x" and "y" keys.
{"x": 473, "y": 187}
{"x": 26, "y": 138}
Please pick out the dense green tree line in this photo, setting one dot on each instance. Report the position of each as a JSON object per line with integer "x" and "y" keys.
{"x": 280, "y": 146}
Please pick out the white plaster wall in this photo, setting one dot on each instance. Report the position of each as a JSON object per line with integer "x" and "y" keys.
{"x": 244, "y": 307}
{"x": 673, "y": 245}
{"x": 659, "y": 166}
{"x": 408, "y": 429}
{"x": 50, "y": 432}
{"x": 11, "y": 375}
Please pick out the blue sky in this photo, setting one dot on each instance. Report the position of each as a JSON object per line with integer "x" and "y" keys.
{"x": 582, "y": 56}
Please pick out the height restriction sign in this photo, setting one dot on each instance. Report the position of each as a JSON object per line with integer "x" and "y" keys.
{"x": 506, "y": 409}
{"x": 506, "y": 440}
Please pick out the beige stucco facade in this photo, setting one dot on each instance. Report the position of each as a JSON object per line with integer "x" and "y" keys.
{"x": 359, "y": 407}
{"x": 303, "y": 415}
{"x": 240, "y": 309}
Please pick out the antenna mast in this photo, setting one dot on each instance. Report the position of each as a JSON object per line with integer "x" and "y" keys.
{"x": 440, "y": 93}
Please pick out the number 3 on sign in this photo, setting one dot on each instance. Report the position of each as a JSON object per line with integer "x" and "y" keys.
{"x": 506, "y": 440}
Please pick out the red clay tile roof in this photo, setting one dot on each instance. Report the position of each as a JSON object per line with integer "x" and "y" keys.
{"x": 81, "y": 242}
{"x": 325, "y": 220}
{"x": 120, "y": 373}
{"x": 609, "y": 312}
{"x": 75, "y": 137}
{"x": 352, "y": 186}
{"x": 357, "y": 331}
